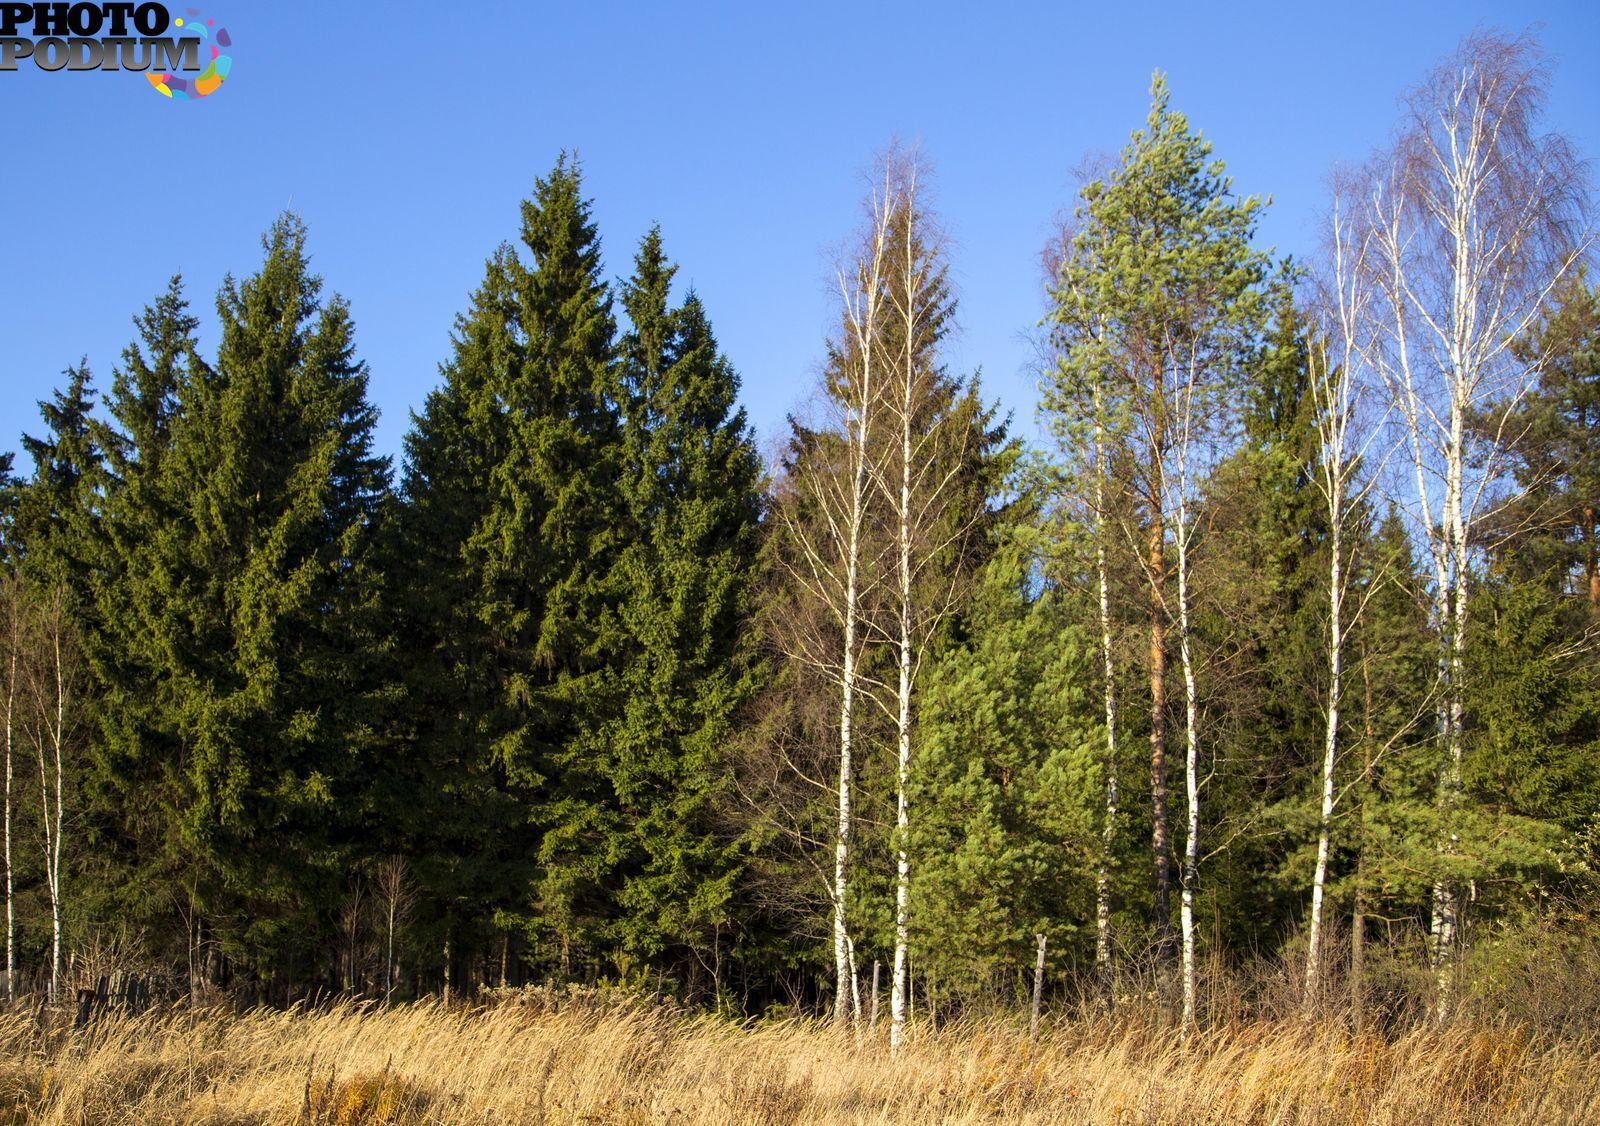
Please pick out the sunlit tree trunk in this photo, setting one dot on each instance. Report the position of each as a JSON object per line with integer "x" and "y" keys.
{"x": 914, "y": 468}
{"x": 1108, "y": 832}
{"x": 1191, "y": 843}
{"x": 13, "y": 656}
{"x": 825, "y": 510}
{"x": 54, "y": 700}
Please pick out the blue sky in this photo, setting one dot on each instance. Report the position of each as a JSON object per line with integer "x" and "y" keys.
{"x": 406, "y": 134}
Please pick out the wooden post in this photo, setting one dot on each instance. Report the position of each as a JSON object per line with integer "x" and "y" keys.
{"x": 446, "y": 991}
{"x": 86, "y": 999}
{"x": 1038, "y": 992}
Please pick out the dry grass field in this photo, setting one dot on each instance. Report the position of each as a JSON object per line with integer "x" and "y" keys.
{"x": 546, "y": 1060}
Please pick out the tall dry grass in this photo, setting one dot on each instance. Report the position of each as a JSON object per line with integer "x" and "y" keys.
{"x": 546, "y": 1059}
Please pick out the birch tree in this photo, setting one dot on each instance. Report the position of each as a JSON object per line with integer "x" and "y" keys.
{"x": 11, "y": 605}
{"x": 396, "y": 900}
{"x": 825, "y": 507}
{"x": 54, "y": 680}
{"x": 917, "y": 469}
{"x": 1474, "y": 218}
{"x": 1337, "y": 370}
{"x": 1108, "y": 833}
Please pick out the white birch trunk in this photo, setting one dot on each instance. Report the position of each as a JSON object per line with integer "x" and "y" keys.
{"x": 841, "y": 848}
{"x": 902, "y": 887}
{"x": 1336, "y": 391}
{"x": 1102, "y": 882}
{"x": 863, "y": 320}
{"x": 13, "y": 655}
{"x": 53, "y": 706}
{"x": 913, "y": 480}
{"x": 1330, "y": 746}
{"x": 1191, "y": 771}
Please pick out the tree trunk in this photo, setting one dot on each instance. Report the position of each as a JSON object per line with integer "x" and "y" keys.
{"x": 1102, "y": 882}
{"x": 11, "y": 696}
{"x": 1191, "y": 844}
{"x": 1329, "y": 751}
{"x": 1446, "y": 896}
{"x": 1160, "y": 848}
{"x": 1038, "y": 992}
{"x": 841, "y": 848}
{"x": 49, "y": 747}
{"x": 1591, "y": 557}
{"x": 902, "y": 886}
{"x": 847, "y": 1005}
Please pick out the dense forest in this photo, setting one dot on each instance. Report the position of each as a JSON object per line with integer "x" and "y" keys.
{"x": 1281, "y": 653}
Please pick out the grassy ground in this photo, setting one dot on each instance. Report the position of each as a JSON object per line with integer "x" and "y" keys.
{"x": 586, "y": 1062}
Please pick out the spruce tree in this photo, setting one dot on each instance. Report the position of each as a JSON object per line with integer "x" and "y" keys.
{"x": 9, "y": 486}
{"x": 266, "y": 629}
{"x": 57, "y": 512}
{"x": 135, "y": 863}
{"x": 511, "y": 483}
{"x": 690, "y": 504}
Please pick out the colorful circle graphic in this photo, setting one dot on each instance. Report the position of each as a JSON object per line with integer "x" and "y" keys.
{"x": 208, "y": 81}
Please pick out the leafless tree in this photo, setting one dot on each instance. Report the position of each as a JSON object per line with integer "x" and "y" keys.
{"x": 53, "y": 675}
{"x": 397, "y": 899}
{"x": 1338, "y": 379}
{"x": 916, "y": 469}
{"x": 823, "y": 504}
{"x": 1474, "y": 216}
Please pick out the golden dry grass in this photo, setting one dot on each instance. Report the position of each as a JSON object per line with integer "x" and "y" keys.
{"x": 599, "y": 1063}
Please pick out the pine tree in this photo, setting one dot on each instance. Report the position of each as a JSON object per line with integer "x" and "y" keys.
{"x": 1007, "y": 781}
{"x": 1159, "y": 304}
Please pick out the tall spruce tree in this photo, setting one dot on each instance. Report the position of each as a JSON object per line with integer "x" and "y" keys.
{"x": 689, "y": 488}
{"x": 265, "y": 625}
{"x": 8, "y": 507}
{"x": 449, "y": 804}
{"x": 511, "y": 483}
{"x": 136, "y": 861}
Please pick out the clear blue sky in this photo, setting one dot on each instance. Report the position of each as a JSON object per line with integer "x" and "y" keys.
{"x": 406, "y": 133}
